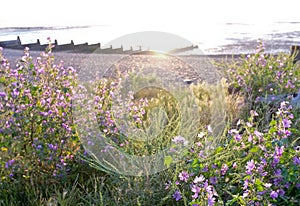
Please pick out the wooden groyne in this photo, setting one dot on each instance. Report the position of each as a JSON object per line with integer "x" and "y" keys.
{"x": 70, "y": 47}
{"x": 79, "y": 48}
{"x": 184, "y": 49}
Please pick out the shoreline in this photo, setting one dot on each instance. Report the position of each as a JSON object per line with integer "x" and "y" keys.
{"x": 95, "y": 65}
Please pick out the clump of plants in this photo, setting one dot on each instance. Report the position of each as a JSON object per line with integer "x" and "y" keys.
{"x": 258, "y": 161}
{"x": 253, "y": 158}
{"x": 38, "y": 142}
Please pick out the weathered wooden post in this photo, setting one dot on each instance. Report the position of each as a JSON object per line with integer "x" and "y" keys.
{"x": 295, "y": 52}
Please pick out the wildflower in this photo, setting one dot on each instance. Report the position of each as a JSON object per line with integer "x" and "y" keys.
{"x": 267, "y": 185}
{"x": 179, "y": 140}
{"x": 184, "y": 176}
{"x": 250, "y": 166}
{"x": 246, "y": 183}
{"x": 210, "y": 200}
{"x": 250, "y": 138}
{"x": 9, "y": 163}
{"x": 15, "y": 92}
{"x": 195, "y": 189}
{"x": 253, "y": 113}
{"x": 259, "y": 135}
{"x": 246, "y": 193}
{"x": 238, "y": 137}
{"x": 277, "y": 172}
{"x": 286, "y": 123}
{"x": 275, "y": 160}
{"x": 224, "y": 169}
{"x": 177, "y": 196}
{"x": 197, "y": 179}
{"x": 274, "y": 194}
{"x": 168, "y": 184}
{"x": 279, "y": 151}
{"x": 280, "y": 192}
{"x": 213, "y": 180}
{"x": 201, "y": 135}
{"x": 233, "y": 131}
{"x": 2, "y": 94}
{"x": 209, "y": 129}
{"x": 296, "y": 161}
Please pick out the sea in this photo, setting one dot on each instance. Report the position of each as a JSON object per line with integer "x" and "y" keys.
{"x": 222, "y": 38}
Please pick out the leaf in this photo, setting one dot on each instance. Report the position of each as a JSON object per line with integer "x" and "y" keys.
{"x": 168, "y": 160}
{"x": 258, "y": 185}
{"x": 2, "y": 80}
{"x": 219, "y": 149}
{"x": 254, "y": 149}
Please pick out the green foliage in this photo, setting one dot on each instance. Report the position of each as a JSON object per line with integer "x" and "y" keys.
{"x": 255, "y": 161}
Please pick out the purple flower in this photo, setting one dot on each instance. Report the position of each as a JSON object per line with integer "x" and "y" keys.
{"x": 168, "y": 184}
{"x": 277, "y": 172}
{"x": 279, "y": 151}
{"x": 233, "y": 131}
{"x": 267, "y": 185}
{"x": 213, "y": 180}
{"x": 15, "y": 92}
{"x": 286, "y": 123}
{"x": 224, "y": 169}
{"x": 177, "y": 196}
{"x": 179, "y": 140}
{"x": 250, "y": 138}
{"x": 259, "y": 135}
{"x": 199, "y": 179}
{"x": 253, "y": 113}
{"x": 2, "y": 94}
{"x": 274, "y": 194}
{"x": 195, "y": 189}
{"x": 246, "y": 183}
{"x": 9, "y": 163}
{"x": 280, "y": 192}
{"x": 210, "y": 200}
{"x": 184, "y": 176}
{"x": 205, "y": 169}
{"x": 238, "y": 137}
{"x": 250, "y": 166}
{"x": 296, "y": 160}
{"x": 275, "y": 161}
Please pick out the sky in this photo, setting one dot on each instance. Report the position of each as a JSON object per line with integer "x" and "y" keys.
{"x": 195, "y": 20}
{"x": 141, "y": 14}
